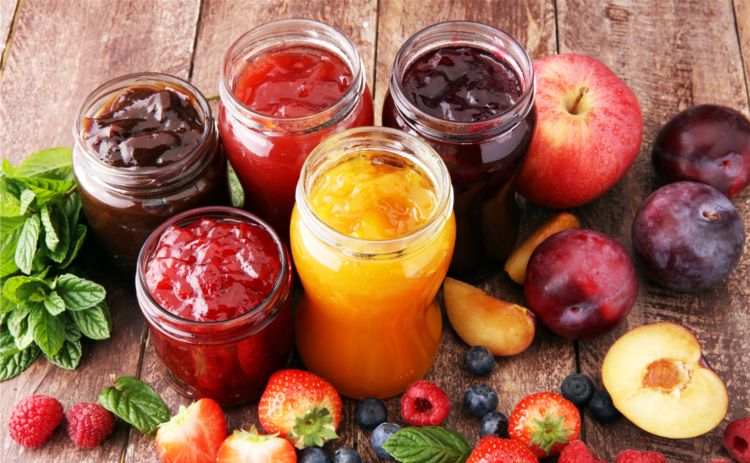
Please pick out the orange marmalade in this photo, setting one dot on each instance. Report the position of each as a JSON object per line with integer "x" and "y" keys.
{"x": 372, "y": 236}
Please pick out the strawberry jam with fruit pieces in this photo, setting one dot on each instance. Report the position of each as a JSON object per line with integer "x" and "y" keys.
{"x": 214, "y": 285}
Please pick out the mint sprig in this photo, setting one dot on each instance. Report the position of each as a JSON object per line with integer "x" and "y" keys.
{"x": 43, "y": 307}
{"x": 428, "y": 444}
{"x": 136, "y": 403}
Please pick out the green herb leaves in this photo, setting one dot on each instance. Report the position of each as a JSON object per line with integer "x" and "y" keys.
{"x": 44, "y": 309}
{"x": 136, "y": 403}
{"x": 428, "y": 444}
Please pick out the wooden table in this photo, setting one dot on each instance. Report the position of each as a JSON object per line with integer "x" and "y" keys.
{"x": 673, "y": 53}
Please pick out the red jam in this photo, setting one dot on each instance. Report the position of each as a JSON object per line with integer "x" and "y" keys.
{"x": 211, "y": 271}
{"x": 218, "y": 303}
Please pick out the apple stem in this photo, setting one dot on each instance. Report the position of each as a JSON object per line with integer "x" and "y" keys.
{"x": 582, "y": 91}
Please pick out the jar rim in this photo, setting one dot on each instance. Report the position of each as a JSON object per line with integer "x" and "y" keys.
{"x": 125, "y": 175}
{"x": 266, "y": 37}
{"x": 280, "y": 289}
{"x": 392, "y": 141}
{"x": 472, "y": 34}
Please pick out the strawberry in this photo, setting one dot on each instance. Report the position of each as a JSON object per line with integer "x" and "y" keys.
{"x": 300, "y": 406}
{"x": 545, "y": 422}
{"x": 251, "y": 447}
{"x": 577, "y": 452}
{"x": 193, "y": 435}
{"x": 637, "y": 456}
{"x": 493, "y": 449}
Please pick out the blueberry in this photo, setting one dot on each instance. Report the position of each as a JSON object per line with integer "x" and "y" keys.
{"x": 578, "y": 389}
{"x": 380, "y": 435}
{"x": 479, "y": 361}
{"x": 346, "y": 455}
{"x": 494, "y": 424}
{"x": 479, "y": 400}
{"x": 601, "y": 407}
{"x": 313, "y": 455}
{"x": 370, "y": 412}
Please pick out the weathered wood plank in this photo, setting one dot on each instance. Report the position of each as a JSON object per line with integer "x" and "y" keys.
{"x": 742, "y": 18}
{"x": 669, "y": 53}
{"x": 7, "y": 13}
{"x": 59, "y": 54}
{"x": 222, "y": 22}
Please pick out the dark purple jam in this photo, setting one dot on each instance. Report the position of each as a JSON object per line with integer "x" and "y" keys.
{"x": 462, "y": 84}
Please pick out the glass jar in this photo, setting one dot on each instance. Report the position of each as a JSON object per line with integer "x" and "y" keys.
{"x": 483, "y": 157}
{"x": 230, "y": 360}
{"x": 368, "y": 322}
{"x": 268, "y": 152}
{"x": 124, "y": 205}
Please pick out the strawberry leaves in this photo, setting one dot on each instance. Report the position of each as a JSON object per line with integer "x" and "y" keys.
{"x": 314, "y": 429}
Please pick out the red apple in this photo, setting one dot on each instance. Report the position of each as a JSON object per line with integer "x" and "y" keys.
{"x": 588, "y": 132}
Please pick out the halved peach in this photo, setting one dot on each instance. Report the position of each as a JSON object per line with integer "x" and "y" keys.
{"x": 519, "y": 258}
{"x": 482, "y": 320}
{"x": 658, "y": 379}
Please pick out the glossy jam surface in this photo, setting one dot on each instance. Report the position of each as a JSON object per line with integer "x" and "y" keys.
{"x": 462, "y": 84}
{"x": 369, "y": 324}
{"x": 213, "y": 270}
{"x": 144, "y": 126}
{"x": 374, "y": 196}
{"x": 286, "y": 83}
{"x": 293, "y": 83}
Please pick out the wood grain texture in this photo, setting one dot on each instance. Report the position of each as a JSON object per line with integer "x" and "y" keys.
{"x": 669, "y": 53}
{"x": 742, "y": 18}
{"x": 7, "y": 14}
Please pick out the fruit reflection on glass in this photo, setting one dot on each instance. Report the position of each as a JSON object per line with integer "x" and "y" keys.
{"x": 708, "y": 144}
{"x": 658, "y": 379}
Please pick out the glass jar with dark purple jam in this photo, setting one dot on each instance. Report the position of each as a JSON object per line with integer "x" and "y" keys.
{"x": 146, "y": 148}
{"x": 468, "y": 90}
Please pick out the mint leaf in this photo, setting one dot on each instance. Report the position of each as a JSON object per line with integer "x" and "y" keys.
{"x": 79, "y": 293}
{"x": 7, "y": 168}
{"x": 27, "y": 241}
{"x": 18, "y": 325}
{"x": 49, "y": 331}
{"x": 14, "y": 362}
{"x": 58, "y": 225}
{"x": 428, "y": 444}
{"x": 94, "y": 323}
{"x": 71, "y": 208}
{"x": 72, "y": 333}
{"x": 10, "y": 231}
{"x": 51, "y": 238}
{"x": 136, "y": 403}
{"x": 69, "y": 355}
{"x": 22, "y": 289}
{"x": 54, "y": 163}
{"x": 75, "y": 245}
{"x": 10, "y": 205}
{"x": 27, "y": 197}
{"x": 237, "y": 194}
{"x": 54, "y": 303}
{"x": 46, "y": 189}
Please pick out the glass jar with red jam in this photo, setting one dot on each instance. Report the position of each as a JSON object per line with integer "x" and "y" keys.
{"x": 284, "y": 87}
{"x": 214, "y": 284}
{"x": 146, "y": 148}
{"x": 468, "y": 90}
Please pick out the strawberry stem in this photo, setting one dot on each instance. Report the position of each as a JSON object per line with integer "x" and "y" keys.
{"x": 314, "y": 429}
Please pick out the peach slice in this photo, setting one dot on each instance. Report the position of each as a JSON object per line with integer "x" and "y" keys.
{"x": 658, "y": 379}
{"x": 481, "y": 320}
{"x": 519, "y": 258}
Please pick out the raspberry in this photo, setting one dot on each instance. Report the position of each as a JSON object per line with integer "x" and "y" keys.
{"x": 88, "y": 424}
{"x": 737, "y": 440}
{"x": 577, "y": 452}
{"x": 637, "y": 456}
{"x": 425, "y": 404}
{"x": 34, "y": 419}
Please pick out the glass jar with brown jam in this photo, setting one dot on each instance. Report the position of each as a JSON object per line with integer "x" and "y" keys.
{"x": 468, "y": 90}
{"x": 146, "y": 148}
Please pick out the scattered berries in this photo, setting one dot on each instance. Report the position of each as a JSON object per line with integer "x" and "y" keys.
{"x": 479, "y": 361}
{"x": 577, "y": 452}
{"x": 492, "y": 449}
{"x": 480, "y": 399}
{"x": 737, "y": 440}
{"x": 34, "y": 419}
{"x": 88, "y": 424}
{"x": 379, "y": 437}
{"x": 577, "y": 388}
{"x": 637, "y": 456}
{"x": 370, "y": 412}
{"x": 193, "y": 435}
{"x": 313, "y": 455}
{"x": 494, "y": 424}
{"x": 346, "y": 455}
{"x": 545, "y": 422}
{"x": 249, "y": 446}
{"x": 425, "y": 404}
{"x": 601, "y": 407}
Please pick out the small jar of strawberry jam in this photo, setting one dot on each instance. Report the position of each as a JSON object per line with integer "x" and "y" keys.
{"x": 214, "y": 285}
{"x": 284, "y": 87}
{"x": 468, "y": 90}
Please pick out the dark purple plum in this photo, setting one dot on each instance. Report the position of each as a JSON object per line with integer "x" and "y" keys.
{"x": 687, "y": 236}
{"x": 580, "y": 283}
{"x": 708, "y": 144}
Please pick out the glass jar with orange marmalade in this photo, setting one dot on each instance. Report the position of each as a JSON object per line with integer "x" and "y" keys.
{"x": 372, "y": 235}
